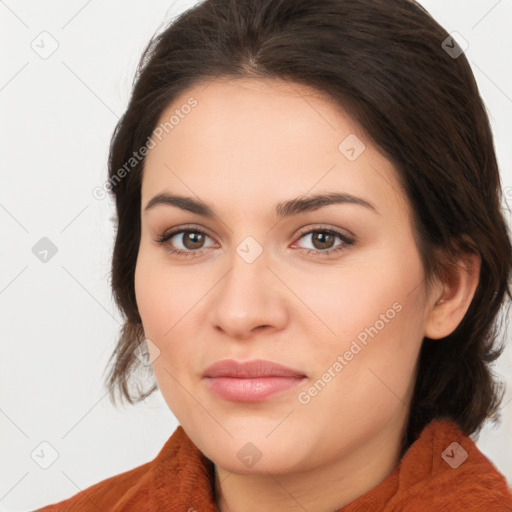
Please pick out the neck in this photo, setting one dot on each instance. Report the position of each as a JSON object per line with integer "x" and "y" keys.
{"x": 324, "y": 488}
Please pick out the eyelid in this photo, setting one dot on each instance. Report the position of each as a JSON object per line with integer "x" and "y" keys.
{"x": 302, "y": 231}
{"x": 167, "y": 235}
{"x": 186, "y": 227}
{"x": 346, "y": 237}
{"x": 327, "y": 227}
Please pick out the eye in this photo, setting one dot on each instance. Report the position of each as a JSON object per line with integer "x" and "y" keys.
{"x": 323, "y": 238}
{"x": 190, "y": 237}
{"x": 192, "y": 240}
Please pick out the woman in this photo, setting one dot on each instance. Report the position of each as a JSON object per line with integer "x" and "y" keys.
{"x": 311, "y": 253}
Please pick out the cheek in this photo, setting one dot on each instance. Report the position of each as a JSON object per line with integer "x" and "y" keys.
{"x": 164, "y": 294}
{"x": 150, "y": 295}
{"x": 341, "y": 305}
{"x": 364, "y": 377}
{"x": 370, "y": 329}
{"x": 163, "y": 301}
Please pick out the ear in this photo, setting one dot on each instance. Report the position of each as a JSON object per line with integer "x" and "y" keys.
{"x": 447, "y": 309}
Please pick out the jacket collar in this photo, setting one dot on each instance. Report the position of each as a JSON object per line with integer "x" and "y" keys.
{"x": 443, "y": 468}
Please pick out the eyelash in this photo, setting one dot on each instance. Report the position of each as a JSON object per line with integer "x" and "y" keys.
{"x": 347, "y": 241}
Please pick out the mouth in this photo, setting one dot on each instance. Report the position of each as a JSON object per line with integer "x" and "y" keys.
{"x": 251, "y": 381}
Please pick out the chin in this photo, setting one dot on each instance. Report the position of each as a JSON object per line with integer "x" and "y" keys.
{"x": 263, "y": 466}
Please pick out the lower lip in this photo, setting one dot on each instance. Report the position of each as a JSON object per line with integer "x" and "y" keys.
{"x": 251, "y": 390}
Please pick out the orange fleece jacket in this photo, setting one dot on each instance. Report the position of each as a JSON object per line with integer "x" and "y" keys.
{"x": 433, "y": 475}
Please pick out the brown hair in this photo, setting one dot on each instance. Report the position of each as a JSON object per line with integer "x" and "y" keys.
{"x": 388, "y": 64}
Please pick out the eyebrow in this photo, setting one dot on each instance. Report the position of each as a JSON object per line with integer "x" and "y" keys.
{"x": 283, "y": 209}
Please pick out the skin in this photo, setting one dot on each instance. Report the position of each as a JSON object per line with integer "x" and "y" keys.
{"x": 246, "y": 146}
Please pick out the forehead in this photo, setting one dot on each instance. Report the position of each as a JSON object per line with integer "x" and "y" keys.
{"x": 250, "y": 138}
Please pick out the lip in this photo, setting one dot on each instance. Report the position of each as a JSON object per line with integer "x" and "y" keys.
{"x": 250, "y": 369}
{"x": 250, "y": 381}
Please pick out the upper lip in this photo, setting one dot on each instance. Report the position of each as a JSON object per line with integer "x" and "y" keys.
{"x": 249, "y": 369}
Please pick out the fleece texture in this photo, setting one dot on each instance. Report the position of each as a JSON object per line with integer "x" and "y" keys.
{"x": 443, "y": 470}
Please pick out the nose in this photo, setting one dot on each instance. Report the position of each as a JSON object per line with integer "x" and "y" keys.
{"x": 249, "y": 298}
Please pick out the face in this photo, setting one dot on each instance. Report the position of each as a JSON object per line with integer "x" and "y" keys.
{"x": 333, "y": 290}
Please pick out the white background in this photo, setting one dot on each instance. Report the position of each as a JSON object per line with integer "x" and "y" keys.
{"x": 59, "y": 324}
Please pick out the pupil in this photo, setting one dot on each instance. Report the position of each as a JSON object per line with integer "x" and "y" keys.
{"x": 324, "y": 239}
{"x": 194, "y": 238}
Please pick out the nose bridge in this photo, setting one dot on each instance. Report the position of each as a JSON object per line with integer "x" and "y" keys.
{"x": 247, "y": 298}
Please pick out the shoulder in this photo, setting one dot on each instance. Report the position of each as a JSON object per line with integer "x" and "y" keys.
{"x": 445, "y": 467}
{"x": 129, "y": 490}
{"x": 109, "y": 494}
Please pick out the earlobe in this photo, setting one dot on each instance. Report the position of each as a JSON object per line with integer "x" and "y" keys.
{"x": 459, "y": 287}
